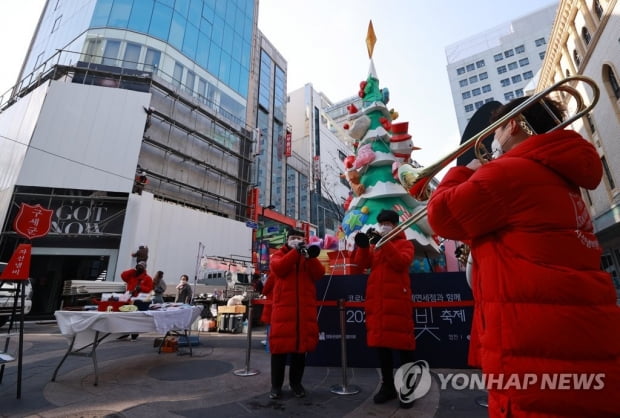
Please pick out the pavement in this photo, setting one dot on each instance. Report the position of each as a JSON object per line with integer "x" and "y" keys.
{"x": 222, "y": 378}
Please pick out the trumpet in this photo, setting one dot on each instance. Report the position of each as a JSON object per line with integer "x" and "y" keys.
{"x": 416, "y": 180}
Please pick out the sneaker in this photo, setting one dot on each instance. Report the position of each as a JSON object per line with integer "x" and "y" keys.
{"x": 298, "y": 391}
{"x": 386, "y": 393}
{"x": 275, "y": 393}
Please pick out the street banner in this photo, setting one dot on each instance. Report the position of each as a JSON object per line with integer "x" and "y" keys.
{"x": 18, "y": 267}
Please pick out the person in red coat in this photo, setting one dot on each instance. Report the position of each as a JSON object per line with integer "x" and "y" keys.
{"x": 294, "y": 328}
{"x": 546, "y": 317}
{"x": 389, "y": 313}
{"x": 138, "y": 281}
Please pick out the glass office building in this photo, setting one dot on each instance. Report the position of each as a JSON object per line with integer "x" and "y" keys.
{"x": 202, "y": 47}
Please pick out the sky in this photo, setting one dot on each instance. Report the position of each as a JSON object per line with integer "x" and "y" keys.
{"x": 324, "y": 43}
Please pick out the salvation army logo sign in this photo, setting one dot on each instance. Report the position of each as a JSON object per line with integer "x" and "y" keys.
{"x": 33, "y": 221}
{"x": 412, "y": 381}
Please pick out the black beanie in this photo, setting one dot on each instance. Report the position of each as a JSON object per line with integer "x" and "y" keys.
{"x": 387, "y": 215}
{"x": 295, "y": 232}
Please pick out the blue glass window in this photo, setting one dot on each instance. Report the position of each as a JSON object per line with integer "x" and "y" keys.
{"x": 101, "y": 13}
{"x": 181, "y": 6}
{"x": 177, "y": 31}
{"x": 119, "y": 15}
{"x": 132, "y": 55}
{"x": 160, "y": 23}
{"x": 190, "y": 42}
{"x": 264, "y": 81}
{"x": 214, "y": 59}
{"x": 141, "y": 16}
{"x": 151, "y": 60}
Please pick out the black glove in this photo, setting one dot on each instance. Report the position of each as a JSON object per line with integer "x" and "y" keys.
{"x": 373, "y": 235}
{"x": 301, "y": 247}
{"x": 362, "y": 240}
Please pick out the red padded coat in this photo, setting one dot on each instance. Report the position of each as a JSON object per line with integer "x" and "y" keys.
{"x": 294, "y": 325}
{"x": 389, "y": 313}
{"x": 133, "y": 279}
{"x": 543, "y": 306}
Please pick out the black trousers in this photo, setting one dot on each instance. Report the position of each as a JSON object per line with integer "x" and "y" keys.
{"x": 296, "y": 370}
{"x": 386, "y": 362}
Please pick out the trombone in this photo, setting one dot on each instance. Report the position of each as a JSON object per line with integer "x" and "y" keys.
{"x": 416, "y": 180}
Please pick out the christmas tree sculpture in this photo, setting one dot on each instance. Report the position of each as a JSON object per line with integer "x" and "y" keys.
{"x": 381, "y": 146}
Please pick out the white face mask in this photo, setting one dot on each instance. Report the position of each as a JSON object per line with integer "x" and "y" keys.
{"x": 294, "y": 242}
{"x": 384, "y": 229}
{"x": 496, "y": 149}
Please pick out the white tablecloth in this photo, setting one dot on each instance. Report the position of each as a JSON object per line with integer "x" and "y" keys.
{"x": 84, "y": 324}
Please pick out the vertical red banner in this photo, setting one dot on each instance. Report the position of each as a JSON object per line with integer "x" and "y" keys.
{"x": 18, "y": 267}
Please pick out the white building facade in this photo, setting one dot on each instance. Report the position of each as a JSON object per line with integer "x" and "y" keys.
{"x": 584, "y": 41}
{"x": 498, "y": 63}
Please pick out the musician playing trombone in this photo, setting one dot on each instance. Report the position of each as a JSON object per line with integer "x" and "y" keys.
{"x": 544, "y": 309}
{"x": 389, "y": 313}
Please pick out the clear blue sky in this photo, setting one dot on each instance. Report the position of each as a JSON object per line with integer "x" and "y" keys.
{"x": 324, "y": 44}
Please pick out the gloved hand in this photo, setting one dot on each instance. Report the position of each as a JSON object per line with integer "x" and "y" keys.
{"x": 362, "y": 240}
{"x": 373, "y": 235}
{"x": 301, "y": 247}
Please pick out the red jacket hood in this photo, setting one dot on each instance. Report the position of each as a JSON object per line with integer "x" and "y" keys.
{"x": 565, "y": 152}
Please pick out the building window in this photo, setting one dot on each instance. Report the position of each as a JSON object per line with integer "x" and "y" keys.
{"x": 469, "y": 108}
{"x": 509, "y": 96}
{"x": 516, "y": 78}
{"x": 598, "y": 9}
{"x": 470, "y": 67}
{"x": 466, "y": 95}
{"x": 190, "y": 79}
{"x": 540, "y": 42}
{"x": 478, "y": 105}
{"x": 520, "y": 49}
{"x": 460, "y": 70}
{"x": 463, "y": 83}
{"x": 505, "y": 82}
{"x": 132, "y": 55}
{"x": 473, "y": 79}
{"x": 476, "y": 92}
{"x": 490, "y": 99}
{"x": 577, "y": 58}
{"x": 151, "y": 60}
{"x": 613, "y": 81}
{"x": 483, "y": 76}
{"x": 501, "y": 69}
{"x": 519, "y": 92}
{"x": 509, "y": 53}
{"x": 585, "y": 34}
{"x": 177, "y": 74}
{"x": 512, "y": 66}
{"x": 541, "y": 55}
{"x": 110, "y": 53}
{"x": 528, "y": 75}
{"x": 480, "y": 64}
{"x": 498, "y": 57}
{"x": 609, "y": 178}
{"x": 524, "y": 61}
{"x": 486, "y": 88}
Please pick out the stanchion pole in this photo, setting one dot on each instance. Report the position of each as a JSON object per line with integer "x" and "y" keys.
{"x": 247, "y": 371}
{"x": 343, "y": 389}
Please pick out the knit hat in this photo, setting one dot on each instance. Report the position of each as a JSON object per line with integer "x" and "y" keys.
{"x": 295, "y": 232}
{"x": 387, "y": 215}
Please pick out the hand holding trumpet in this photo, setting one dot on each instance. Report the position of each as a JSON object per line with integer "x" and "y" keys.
{"x": 371, "y": 236}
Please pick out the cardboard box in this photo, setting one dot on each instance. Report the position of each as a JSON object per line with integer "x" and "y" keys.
{"x": 231, "y": 309}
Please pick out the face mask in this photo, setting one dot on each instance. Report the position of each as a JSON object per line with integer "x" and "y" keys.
{"x": 293, "y": 243}
{"x": 496, "y": 148}
{"x": 384, "y": 229}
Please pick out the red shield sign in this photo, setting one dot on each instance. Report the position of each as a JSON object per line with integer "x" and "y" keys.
{"x": 19, "y": 264}
{"x": 33, "y": 221}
